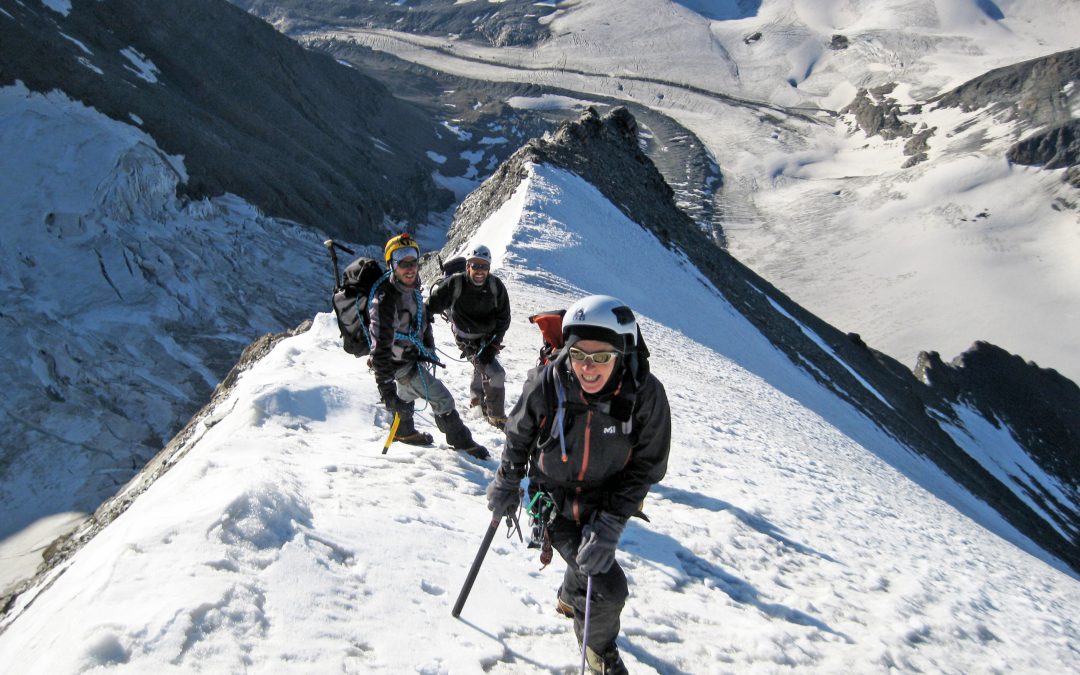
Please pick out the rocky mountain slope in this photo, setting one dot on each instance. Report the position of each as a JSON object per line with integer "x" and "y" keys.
{"x": 290, "y": 130}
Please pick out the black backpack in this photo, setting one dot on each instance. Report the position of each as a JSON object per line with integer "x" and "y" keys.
{"x": 362, "y": 277}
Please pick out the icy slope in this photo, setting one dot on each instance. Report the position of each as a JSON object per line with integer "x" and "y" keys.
{"x": 123, "y": 308}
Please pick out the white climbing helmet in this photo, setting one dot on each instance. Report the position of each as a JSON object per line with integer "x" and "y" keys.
{"x": 600, "y": 317}
{"x": 480, "y": 251}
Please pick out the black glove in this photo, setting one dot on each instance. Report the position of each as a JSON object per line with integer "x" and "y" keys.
{"x": 596, "y": 553}
{"x": 390, "y": 399}
{"x": 503, "y": 494}
{"x": 468, "y": 348}
{"x": 488, "y": 353}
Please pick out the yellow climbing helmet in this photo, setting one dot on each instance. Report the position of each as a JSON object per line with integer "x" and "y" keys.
{"x": 403, "y": 240}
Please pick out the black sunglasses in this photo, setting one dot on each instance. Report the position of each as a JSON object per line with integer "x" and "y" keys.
{"x": 480, "y": 267}
{"x": 407, "y": 264}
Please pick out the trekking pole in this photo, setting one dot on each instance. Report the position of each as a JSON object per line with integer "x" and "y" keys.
{"x": 585, "y": 624}
{"x": 393, "y": 432}
{"x": 475, "y": 569}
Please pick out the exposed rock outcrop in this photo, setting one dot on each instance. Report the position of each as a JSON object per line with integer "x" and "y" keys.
{"x": 1056, "y": 148}
{"x": 878, "y": 114}
{"x": 1039, "y": 406}
{"x": 1035, "y": 92}
{"x": 1039, "y": 94}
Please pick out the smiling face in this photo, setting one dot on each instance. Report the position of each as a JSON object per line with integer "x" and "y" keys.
{"x": 478, "y": 270}
{"x": 407, "y": 271}
{"x": 592, "y": 376}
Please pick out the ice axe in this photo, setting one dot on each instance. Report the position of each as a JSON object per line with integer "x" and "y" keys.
{"x": 512, "y": 523}
{"x": 332, "y": 246}
{"x": 393, "y": 432}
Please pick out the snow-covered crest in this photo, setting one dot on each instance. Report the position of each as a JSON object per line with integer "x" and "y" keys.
{"x": 284, "y": 541}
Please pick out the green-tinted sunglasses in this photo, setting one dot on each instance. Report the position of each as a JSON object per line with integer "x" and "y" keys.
{"x": 599, "y": 358}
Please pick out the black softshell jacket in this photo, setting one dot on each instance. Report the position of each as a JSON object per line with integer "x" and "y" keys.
{"x": 478, "y": 312}
{"x": 606, "y": 468}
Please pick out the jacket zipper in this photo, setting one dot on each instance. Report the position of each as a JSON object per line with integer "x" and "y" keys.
{"x": 584, "y": 466}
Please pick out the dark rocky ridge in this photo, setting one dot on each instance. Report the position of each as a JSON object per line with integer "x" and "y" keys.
{"x": 1039, "y": 406}
{"x": 1037, "y": 94}
{"x": 600, "y": 149}
{"x": 1055, "y": 148}
{"x": 1034, "y": 92}
{"x": 301, "y": 139}
{"x": 606, "y": 153}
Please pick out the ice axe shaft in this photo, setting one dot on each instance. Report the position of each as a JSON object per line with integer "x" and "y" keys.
{"x": 475, "y": 569}
{"x": 393, "y": 432}
{"x": 332, "y": 247}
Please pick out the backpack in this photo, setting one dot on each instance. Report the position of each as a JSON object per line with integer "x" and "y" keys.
{"x": 362, "y": 277}
{"x": 550, "y": 325}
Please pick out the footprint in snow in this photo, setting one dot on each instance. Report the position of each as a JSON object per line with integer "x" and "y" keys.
{"x": 431, "y": 589}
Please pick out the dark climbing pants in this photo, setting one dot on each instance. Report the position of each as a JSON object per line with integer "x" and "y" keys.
{"x": 489, "y": 385}
{"x": 609, "y": 589}
{"x": 414, "y": 383}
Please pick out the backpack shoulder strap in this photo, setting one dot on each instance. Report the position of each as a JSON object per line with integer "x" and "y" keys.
{"x": 458, "y": 280}
{"x": 457, "y": 284}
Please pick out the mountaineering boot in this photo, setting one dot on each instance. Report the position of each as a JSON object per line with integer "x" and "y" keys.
{"x": 563, "y": 607}
{"x": 415, "y": 438}
{"x": 458, "y": 435}
{"x": 474, "y": 401}
{"x": 406, "y": 431}
{"x": 497, "y": 422}
{"x": 477, "y": 451}
{"x": 608, "y": 663}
